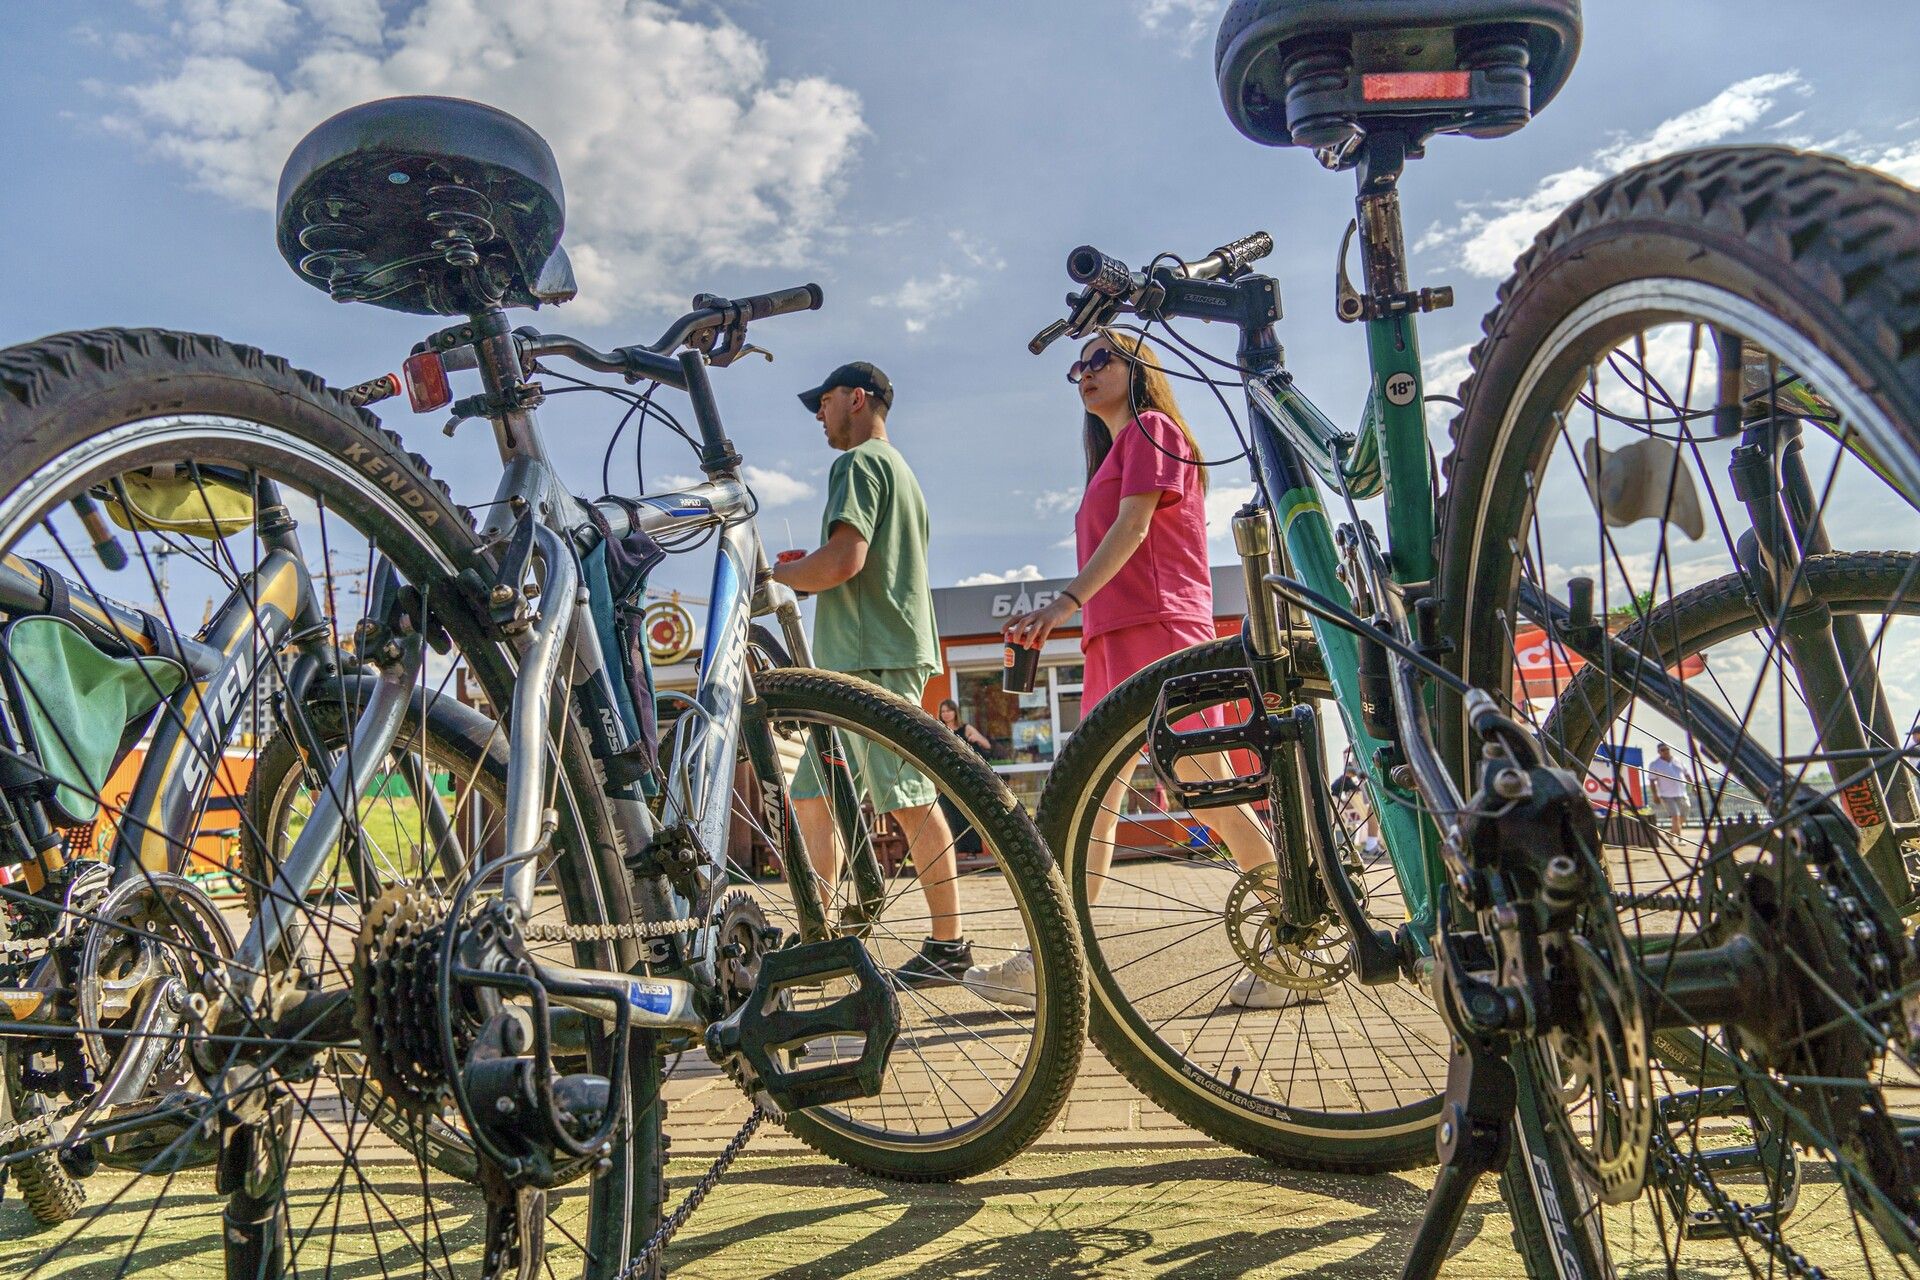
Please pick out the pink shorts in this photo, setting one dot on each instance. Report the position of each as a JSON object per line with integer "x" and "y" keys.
{"x": 1115, "y": 656}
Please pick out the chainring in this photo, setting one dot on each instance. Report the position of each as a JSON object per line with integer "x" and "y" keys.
{"x": 149, "y": 929}
{"x": 743, "y": 940}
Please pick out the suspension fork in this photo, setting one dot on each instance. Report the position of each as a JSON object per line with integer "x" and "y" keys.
{"x": 1303, "y": 899}
{"x": 1842, "y": 694}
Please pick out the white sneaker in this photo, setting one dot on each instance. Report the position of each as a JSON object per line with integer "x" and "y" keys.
{"x": 1251, "y": 991}
{"x": 1009, "y": 982}
{"x": 1374, "y": 846}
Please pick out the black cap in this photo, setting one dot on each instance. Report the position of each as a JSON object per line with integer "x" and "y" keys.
{"x": 858, "y": 374}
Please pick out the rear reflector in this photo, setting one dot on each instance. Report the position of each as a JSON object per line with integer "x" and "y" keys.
{"x": 426, "y": 382}
{"x": 1408, "y": 86}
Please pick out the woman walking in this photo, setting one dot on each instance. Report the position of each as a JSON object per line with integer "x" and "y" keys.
{"x": 1144, "y": 591}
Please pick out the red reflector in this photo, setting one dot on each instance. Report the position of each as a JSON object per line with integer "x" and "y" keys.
{"x": 426, "y": 382}
{"x": 1407, "y": 86}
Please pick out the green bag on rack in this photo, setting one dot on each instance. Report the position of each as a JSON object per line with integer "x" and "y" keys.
{"x": 75, "y": 705}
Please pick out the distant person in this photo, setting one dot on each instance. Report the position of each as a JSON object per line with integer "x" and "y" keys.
{"x": 1350, "y": 797}
{"x": 950, "y": 718}
{"x": 1669, "y": 778}
{"x": 873, "y": 618}
{"x": 966, "y": 841}
{"x": 1144, "y": 591}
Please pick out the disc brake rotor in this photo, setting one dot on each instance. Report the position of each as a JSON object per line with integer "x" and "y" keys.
{"x": 1307, "y": 959}
{"x": 1598, "y": 1051}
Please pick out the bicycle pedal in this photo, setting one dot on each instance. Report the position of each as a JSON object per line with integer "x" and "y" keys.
{"x": 769, "y": 1035}
{"x": 1769, "y": 1157}
{"x": 1258, "y": 733}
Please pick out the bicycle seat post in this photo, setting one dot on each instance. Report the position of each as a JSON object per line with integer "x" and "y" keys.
{"x": 1383, "y": 246}
{"x": 510, "y": 401}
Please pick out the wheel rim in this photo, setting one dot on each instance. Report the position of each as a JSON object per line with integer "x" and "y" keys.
{"x": 962, "y": 1064}
{"x": 1164, "y": 923}
{"x": 369, "y": 1184}
{"x": 1589, "y": 380}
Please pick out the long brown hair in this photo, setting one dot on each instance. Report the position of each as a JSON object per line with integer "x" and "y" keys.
{"x": 1149, "y": 388}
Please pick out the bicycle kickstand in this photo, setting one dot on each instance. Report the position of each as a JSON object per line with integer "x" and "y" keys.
{"x": 1476, "y": 1131}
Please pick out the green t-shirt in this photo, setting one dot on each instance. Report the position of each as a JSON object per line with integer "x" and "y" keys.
{"x": 881, "y": 617}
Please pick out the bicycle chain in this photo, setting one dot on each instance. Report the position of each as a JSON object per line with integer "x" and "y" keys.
{"x": 656, "y": 1244}
{"x": 1666, "y": 1155}
{"x": 33, "y": 1126}
{"x": 1655, "y": 902}
{"x": 1862, "y": 935}
{"x": 638, "y": 929}
{"x": 643, "y": 1261}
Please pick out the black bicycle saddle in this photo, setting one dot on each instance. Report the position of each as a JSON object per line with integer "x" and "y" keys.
{"x": 436, "y": 206}
{"x": 1319, "y": 73}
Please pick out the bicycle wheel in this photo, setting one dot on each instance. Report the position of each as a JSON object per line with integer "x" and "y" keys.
{"x": 1694, "y": 387}
{"x": 112, "y": 414}
{"x": 1338, "y": 1076}
{"x": 972, "y": 1080}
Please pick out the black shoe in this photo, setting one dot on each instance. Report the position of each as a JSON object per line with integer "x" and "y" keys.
{"x": 938, "y": 964}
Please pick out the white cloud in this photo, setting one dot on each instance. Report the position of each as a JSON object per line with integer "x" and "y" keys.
{"x": 1445, "y": 371}
{"x": 359, "y": 21}
{"x": 1222, "y": 501}
{"x": 1902, "y": 162}
{"x": 978, "y": 253}
{"x": 1053, "y": 502}
{"x": 235, "y": 26}
{"x": 1491, "y": 234}
{"x": 1188, "y": 20}
{"x": 775, "y": 488}
{"x": 923, "y": 299}
{"x": 680, "y": 152}
{"x": 1026, "y": 573}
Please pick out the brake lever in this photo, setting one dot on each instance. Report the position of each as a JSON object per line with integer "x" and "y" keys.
{"x": 1047, "y": 336}
{"x": 1089, "y": 311}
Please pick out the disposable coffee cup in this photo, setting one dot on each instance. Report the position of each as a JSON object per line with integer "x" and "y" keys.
{"x": 1019, "y": 668}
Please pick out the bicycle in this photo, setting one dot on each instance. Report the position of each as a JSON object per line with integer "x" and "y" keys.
{"x": 487, "y": 898}
{"x": 1680, "y": 1059}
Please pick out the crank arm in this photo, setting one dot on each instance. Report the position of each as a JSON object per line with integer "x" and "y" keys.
{"x": 152, "y": 1035}
{"x": 649, "y": 1002}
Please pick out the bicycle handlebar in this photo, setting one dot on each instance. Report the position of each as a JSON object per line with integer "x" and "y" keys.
{"x": 1111, "y": 285}
{"x": 1230, "y": 259}
{"x": 1112, "y": 277}
{"x": 652, "y": 361}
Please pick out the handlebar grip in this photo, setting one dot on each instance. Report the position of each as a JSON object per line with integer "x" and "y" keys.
{"x": 805, "y": 297}
{"x": 1090, "y": 267}
{"x": 1245, "y": 251}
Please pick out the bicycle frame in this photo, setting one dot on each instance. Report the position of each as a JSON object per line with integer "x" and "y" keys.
{"x": 699, "y": 779}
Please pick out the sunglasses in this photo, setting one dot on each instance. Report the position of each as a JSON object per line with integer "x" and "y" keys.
{"x": 1092, "y": 364}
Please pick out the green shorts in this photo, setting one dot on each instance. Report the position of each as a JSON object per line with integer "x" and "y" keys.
{"x": 878, "y": 774}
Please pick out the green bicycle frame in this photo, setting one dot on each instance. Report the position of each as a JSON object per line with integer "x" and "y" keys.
{"x": 1295, "y": 445}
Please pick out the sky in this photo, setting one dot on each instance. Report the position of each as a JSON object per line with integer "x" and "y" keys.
{"x": 928, "y": 165}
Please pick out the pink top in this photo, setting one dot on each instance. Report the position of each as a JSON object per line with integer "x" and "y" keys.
{"x": 1166, "y": 577}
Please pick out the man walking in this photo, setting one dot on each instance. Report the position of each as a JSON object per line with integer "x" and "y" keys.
{"x": 874, "y": 619}
{"x": 1669, "y": 788}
